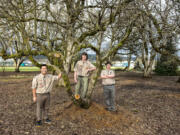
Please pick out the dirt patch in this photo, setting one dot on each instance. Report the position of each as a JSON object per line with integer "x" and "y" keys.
{"x": 145, "y": 107}
{"x": 174, "y": 96}
{"x": 98, "y": 118}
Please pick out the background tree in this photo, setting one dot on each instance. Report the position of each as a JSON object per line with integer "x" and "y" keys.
{"x": 167, "y": 65}
{"x": 157, "y": 22}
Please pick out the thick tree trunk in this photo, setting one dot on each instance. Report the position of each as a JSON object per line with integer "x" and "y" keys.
{"x": 72, "y": 66}
{"x": 68, "y": 56}
{"x": 148, "y": 67}
{"x": 17, "y": 69}
{"x": 67, "y": 64}
{"x": 148, "y": 57}
{"x": 18, "y": 63}
{"x": 147, "y": 72}
{"x": 67, "y": 60}
{"x": 138, "y": 63}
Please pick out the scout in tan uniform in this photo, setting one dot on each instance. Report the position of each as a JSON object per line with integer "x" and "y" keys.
{"x": 81, "y": 73}
{"x": 42, "y": 85}
{"x": 108, "y": 82}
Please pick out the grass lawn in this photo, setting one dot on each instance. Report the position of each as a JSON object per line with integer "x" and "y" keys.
{"x": 36, "y": 68}
{"x": 116, "y": 68}
{"x": 21, "y": 69}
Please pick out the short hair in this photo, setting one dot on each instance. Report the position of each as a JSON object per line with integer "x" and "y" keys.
{"x": 108, "y": 62}
{"x": 84, "y": 53}
{"x": 43, "y": 65}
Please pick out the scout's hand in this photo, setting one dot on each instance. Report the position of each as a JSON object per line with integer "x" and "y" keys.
{"x": 88, "y": 69}
{"x": 106, "y": 77}
{"x": 75, "y": 80}
{"x": 34, "y": 99}
{"x": 59, "y": 76}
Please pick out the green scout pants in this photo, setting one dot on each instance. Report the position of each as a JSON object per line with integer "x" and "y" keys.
{"x": 43, "y": 104}
{"x": 82, "y": 86}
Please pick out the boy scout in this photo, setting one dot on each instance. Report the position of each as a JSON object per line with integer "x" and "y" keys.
{"x": 81, "y": 73}
{"x": 41, "y": 87}
{"x": 108, "y": 82}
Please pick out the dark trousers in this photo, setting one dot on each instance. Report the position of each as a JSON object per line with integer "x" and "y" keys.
{"x": 43, "y": 104}
{"x": 109, "y": 95}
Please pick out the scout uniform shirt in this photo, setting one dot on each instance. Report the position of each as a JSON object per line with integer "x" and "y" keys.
{"x": 43, "y": 83}
{"x": 108, "y": 81}
{"x": 82, "y": 67}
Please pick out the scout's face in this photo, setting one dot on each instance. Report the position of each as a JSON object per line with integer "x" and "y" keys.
{"x": 43, "y": 70}
{"x": 84, "y": 58}
{"x": 108, "y": 66}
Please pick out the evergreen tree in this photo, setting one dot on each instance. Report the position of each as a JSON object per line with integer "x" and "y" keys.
{"x": 166, "y": 65}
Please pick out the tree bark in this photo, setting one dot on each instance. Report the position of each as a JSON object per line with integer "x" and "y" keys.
{"x": 148, "y": 57}
{"x": 138, "y": 63}
{"x": 149, "y": 66}
{"x": 18, "y": 63}
{"x": 17, "y": 69}
{"x": 147, "y": 71}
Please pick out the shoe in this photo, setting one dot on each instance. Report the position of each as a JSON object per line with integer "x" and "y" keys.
{"x": 38, "y": 123}
{"x": 48, "y": 121}
{"x": 107, "y": 109}
{"x": 113, "y": 110}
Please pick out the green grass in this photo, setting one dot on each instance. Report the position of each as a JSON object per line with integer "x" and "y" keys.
{"x": 11, "y": 69}
{"x": 116, "y": 68}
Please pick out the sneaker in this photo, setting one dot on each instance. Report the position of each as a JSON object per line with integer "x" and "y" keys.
{"x": 113, "y": 110}
{"x": 38, "y": 123}
{"x": 47, "y": 121}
